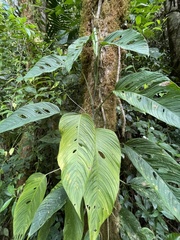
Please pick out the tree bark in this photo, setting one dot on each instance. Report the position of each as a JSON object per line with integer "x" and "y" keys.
{"x": 172, "y": 8}
{"x": 100, "y": 74}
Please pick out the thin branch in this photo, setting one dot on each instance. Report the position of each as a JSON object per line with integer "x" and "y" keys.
{"x": 119, "y": 64}
{"x": 53, "y": 171}
{"x": 75, "y": 103}
{"x": 99, "y": 9}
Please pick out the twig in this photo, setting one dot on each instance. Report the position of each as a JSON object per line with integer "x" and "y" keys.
{"x": 53, "y": 171}
{"x": 119, "y": 64}
{"x": 99, "y": 9}
{"x": 75, "y": 103}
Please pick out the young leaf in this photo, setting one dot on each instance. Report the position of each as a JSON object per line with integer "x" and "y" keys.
{"x": 74, "y": 50}
{"x": 6, "y": 204}
{"x": 28, "y": 203}
{"x": 128, "y": 39}
{"x": 154, "y": 180}
{"x": 103, "y": 183}
{"x": 54, "y": 201}
{"x": 73, "y": 227}
{"x": 161, "y": 97}
{"x": 46, "y": 64}
{"x": 76, "y": 154}
{"x": 27, "y": 114}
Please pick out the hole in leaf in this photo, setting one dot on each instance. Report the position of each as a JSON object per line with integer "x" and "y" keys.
{"x": 35, "y": 188}
{"x": 101, "y": 154}
{"x": 95, "y": 230}
{"x": 80, "y": 144}
{"x": 75, "y": 140}
{"x": 22, "y": 116}
{"x": 28, "y": 202}
{"x": 155, "y": 175}
{"x": 163, "y": 110}
{"x": 46, "y": 110}
{"x": 47, "y": 64}
{"x": 38, "y": 111}
{"x": 94, "y": 207}
{"x": 41, "y": 67}
{"x": 74, "y": 151}
{"x": 139, "y": 98}
{"x": 88, "y": 207}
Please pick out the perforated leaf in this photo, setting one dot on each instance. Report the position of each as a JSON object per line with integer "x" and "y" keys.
{"x": 128, "y": 39}
{"x": 76, "y": 154}
{"x": 152, "y": 93}
{"x": 28, "y": 203}
{"x": 155, "y": 181}
{"x": 45, "y": 65}
{"x": 74, "y": 50}
{"x": 54, "y": 201}
{"x": 27, "y": 114}
{"x": 73, "y": 227}
{"x": 103, "y": 183}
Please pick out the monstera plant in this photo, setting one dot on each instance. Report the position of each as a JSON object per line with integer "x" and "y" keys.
{"x": 89, "y": 158}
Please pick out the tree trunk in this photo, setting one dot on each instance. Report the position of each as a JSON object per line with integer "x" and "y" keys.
{"x": 172, "y": 8}
{"x": 100, "y": 75}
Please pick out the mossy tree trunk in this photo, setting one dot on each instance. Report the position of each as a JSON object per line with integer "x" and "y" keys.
{"x": 172, "y": 9}
{"x": 100, "y": 76}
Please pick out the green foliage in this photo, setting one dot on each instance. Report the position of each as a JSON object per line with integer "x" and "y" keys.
{"x": 142, "y": 16}
{"x": 46, "y": 64}
{"x": 154, "y": 181}
{"x": 54, "y": 201}
{"x": 129, "y": 40}
{"x": 28, "y": 203}
{"x": 153, "y": 93}
{"x": 89, "y": 158}
{"x": 29, "y": 113}
{"x": 90, "y": 167}
{"x": 131, "y": 228}
{"x": 74, "y": 50}
{"x": 73, "y": 228}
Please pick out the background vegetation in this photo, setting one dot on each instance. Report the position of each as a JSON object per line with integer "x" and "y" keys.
{"x": 33, "y": 148}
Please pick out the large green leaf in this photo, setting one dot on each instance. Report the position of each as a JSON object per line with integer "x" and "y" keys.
{"x": 158, "y": 159}
{"x": 28, "y": 203}
{"x": 54, "y": 201}
{"x": 152, "y": 93}
{"x": 74, "y": 50}
{"x": 154, "y": 180}
{"x": 131, "y": 228}
{"x": 103, "y": 183}
{"x": 76, "y": 154}
{"x": 73, "y": 227}
{"x": 141, "y": 186}
{"x": 46, "y": 64}
{"x": 27, "y": 114}
{"x": 128, "y": 39}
